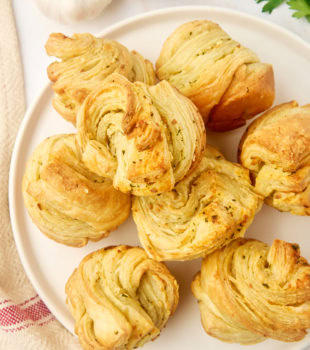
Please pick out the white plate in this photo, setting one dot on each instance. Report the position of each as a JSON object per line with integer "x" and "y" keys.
{"x": 49, "y": 264}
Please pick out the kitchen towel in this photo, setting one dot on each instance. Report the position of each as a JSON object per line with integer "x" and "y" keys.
{"x": 25, "y": 321}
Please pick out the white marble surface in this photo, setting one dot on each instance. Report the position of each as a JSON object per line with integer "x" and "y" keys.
{"x": 33, "y": 28}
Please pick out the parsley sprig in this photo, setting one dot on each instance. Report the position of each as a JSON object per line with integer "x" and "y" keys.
{"x": 301, "y": 7}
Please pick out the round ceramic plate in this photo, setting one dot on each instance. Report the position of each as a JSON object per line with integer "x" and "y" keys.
{"x": 49, "y": 264}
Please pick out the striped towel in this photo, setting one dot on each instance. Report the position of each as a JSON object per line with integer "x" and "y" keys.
{"x": 25, "y": 321}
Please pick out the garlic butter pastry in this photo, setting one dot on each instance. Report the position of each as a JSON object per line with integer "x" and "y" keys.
{"x": 120, "y": 298}
{"x": 86, "y": 61}
{"x": 276, "y": 149}
{"x": 145, "y": 138}
{"x": 248, "y": 292}
{"x": 225, "y": 80}
{"x": 67, "y": 202}
{"x": 205, "y": 211}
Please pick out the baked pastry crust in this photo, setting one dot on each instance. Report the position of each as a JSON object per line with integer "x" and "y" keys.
{"x": 120, "y": 298}
{"x": 145, "y": 138}
{"x": 225, "y": 80}
{"x": 276, "y": 149}
{"x": 248, "y": 292}
{"x": 204, "y": 212}
{"x": 85, "y": 62}
{"x": 67, "y": 202}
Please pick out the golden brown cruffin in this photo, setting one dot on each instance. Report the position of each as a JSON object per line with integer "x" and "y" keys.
{"x": 120, "y": 298}
{"x": 225, "y": 80}
{"x": 276, "y": 149}
{"x": 204, "y": 212}
{"x": 145, "y": 138}
{"x": 67, "y": 202}
{"x": 85, "y": 62}
{"x": 248, "y": 292}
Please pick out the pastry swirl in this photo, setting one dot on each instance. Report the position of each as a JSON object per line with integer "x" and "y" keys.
{"x": 67, "y": 202}
{"x": 225, "y": 80}
{"x": 85, "y": 62}
{"x": 145, "y": 138}
{"x": 120, "y": 298}
{"x": 248, "y": 292}
{"x": 205, "y": 211}
{"x": 276, "y": 149}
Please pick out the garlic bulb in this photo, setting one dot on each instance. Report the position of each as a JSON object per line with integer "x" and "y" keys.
{"x": 71, "y": 11}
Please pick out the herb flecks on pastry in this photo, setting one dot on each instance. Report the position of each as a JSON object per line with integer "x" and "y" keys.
{"x": 145, "y": 138}
{"x": 276, "y": 149}
{"x": 204, "y": 212}
{"x": 86, "y": 61}
{"x": 225, "y": 80}
{"x": 248, "y": 292}
{"x": 120, "y": 298}
{"x": 67, "y": 202}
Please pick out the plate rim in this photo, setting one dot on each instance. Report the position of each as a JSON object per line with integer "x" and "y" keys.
{"x": 12, "y": 188}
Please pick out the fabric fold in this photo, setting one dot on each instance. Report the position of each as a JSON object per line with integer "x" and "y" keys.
{"x": 25, "y": 321}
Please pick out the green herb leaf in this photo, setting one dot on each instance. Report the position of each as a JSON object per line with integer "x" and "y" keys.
{"x": 271, "y": 5}
{"x": 302, "y": 8}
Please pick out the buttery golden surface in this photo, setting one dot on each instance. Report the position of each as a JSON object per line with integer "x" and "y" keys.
{"x": 248, "y": 292}
{"x": 145, "y": 138}
{"x": 225, "y": 80}
{"x": 120, "y": 298}
{"x": 67, "y": 202}
{"x": 85, "y": 62}
{"x": 205, "y": 211}
{"x": 276, "y": 149}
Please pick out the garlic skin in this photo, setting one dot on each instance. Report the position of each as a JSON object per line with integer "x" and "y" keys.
{"x": 71, "y": 11}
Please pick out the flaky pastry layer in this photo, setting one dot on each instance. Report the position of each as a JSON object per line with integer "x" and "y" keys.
{"x": 248, "y": 292}
{"x": 145, "y": 138}
{"x": 86, "y": 61}
{"x": 120, "y": 298}
{"x": 276, "y": 149}
{"x": 205, "y": 211}
{"x": 225, "y": 80}
{"x": 67, "y": 202}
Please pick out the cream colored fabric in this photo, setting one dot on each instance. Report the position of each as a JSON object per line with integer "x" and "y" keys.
{"x": 51, "y": 335}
